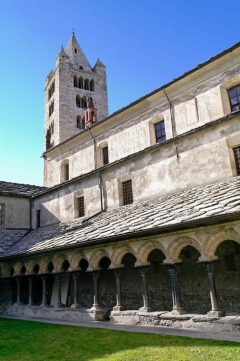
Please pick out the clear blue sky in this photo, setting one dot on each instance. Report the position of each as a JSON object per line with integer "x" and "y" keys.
{"x": 143, "y": 43}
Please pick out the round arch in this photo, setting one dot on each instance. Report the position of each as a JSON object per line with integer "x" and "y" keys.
{"x": 212, "y": 243}
{"x": 176, "y": 246}
{"x": 145, "y": 249}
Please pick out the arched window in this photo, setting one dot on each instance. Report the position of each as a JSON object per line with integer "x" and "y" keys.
{"x": 80, "y": 83}
{"x": 84, "y": 102}
{"x": 78, "y": 101}
{"x": 92, "y": 85}
{"x": 75, "y": 81}
{"x": 86, "y": 84}
{"x": 80, "y": 122}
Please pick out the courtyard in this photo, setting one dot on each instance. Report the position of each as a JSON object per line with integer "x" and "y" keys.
{"x": 28, "y": 341}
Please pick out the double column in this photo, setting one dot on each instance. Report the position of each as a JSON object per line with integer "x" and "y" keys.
{"x": 215, "y": 312}
{"x": 176, "y": 297}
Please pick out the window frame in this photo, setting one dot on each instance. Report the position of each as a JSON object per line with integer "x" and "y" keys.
{"x": 162, "y": 137}
{"x": 236, "y": 155}
{"x": 127, "y": 192}
{"x": 237, "y": 86}
{"x": 80, "y": 202}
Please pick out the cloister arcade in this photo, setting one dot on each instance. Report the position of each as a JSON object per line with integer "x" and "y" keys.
{"x": 184, "y": 277}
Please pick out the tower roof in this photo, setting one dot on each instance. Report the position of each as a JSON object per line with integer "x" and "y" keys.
{"x": 75, "y": 53}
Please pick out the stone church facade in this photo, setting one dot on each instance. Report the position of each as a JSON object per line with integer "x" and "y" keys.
{"x": 138, "y": 220}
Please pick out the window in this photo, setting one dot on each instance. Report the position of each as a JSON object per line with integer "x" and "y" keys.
{"x": 75, "y": 50}
{"x": 236, "y": 152}
{"x": 66, "y": 171}
{"x": 80, "y": 207}
{"x": 86, "y": 84}
{"x": 75, "y": 81}
{"x": 2, "y": 215}
{"x": 92, "y": 85}
{"x": 51, "y": 108}
{"x": 160, "y": 132}
{"x": 51, "y": 90}
{"x": 38, "y": 218}
{"x": 234, "y": 97}
{"x": 80, "y": 122}
{"x": 105, "y": 155}
{"x": 78, "y": 101}
{"x": 80, "y": 83}
{"x": 127, "y": 192}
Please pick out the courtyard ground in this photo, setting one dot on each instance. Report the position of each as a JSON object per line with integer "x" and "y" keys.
{"x": 32, "y": 341}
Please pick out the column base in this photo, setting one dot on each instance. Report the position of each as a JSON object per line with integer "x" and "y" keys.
{"x": 145, "y": 309}
{"x": 215, "y": 314}
{"x": 44, "y": 305}
{"x": 59, "y": 305}
{"x": 75, "y": 305}
{"x": 18, "y": 304}
{"x": 117, "y": 308}
{"x": 97, "y": 313}
{"x": 30, "y": 304}
{"x": 179, "y": 311}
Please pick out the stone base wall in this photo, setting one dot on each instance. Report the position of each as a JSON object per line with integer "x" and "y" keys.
{"x": 53, "y": 313}
{"x": 167, "y": 319}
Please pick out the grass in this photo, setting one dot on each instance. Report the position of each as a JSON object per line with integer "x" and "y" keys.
{"x": 32, "y": 341}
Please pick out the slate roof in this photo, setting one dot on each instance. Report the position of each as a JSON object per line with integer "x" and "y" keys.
{"x": 10, "y": 236}
{"x": 162, "y": 213}
{"x": 26, "y": 190}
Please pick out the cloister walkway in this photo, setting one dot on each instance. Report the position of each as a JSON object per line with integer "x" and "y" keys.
{"x": 206, "y": 334}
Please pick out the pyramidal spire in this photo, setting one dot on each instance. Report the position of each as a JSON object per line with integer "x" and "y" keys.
{"x": 75, "y": 53}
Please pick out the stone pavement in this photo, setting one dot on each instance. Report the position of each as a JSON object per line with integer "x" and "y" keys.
{"x": 214, "y": 335}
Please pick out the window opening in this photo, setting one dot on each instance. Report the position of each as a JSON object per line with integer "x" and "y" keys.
{"x": 160, "y": 132}
{"x": 234, "y": 97}
{"x": 105, "y": 155}
{"x": 38, "y": 218}
{"x": 80, "y": 206}
{"x": 127, "y": 192}
{"x": 236, "y": 152}
{"x": 2, "y": 215}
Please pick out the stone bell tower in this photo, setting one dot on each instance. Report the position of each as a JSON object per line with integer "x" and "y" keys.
{"x": 69, "y": 89}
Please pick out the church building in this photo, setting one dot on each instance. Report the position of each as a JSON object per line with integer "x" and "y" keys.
{"x": 138, "y": 220}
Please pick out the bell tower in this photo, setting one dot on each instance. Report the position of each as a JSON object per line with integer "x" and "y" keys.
{"x": 71, "y": 90}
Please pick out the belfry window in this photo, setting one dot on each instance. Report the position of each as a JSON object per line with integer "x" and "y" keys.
{"x": 2, "y": 215}
{"x": 234, "y": 97}
{"x": 160, "y": 132}
{"x": 80, "y": 122}
{"x": 236, "y": 152}
{"x": 127, "y": 192}
{"x": 80, "y": 207}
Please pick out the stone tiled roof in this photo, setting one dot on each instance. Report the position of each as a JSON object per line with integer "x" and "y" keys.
{"x": 19, "y": 189}
{"x": 173, "y": 210}
{"x": 8, "y": 237}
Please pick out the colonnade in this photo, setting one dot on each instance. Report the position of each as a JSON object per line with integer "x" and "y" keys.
{"x": 177, "y": 307}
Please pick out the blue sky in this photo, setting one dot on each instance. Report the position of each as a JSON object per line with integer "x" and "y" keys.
{"x": 143, "y": 43}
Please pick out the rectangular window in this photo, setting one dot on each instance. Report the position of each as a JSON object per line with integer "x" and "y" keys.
{"x": 127, "y": 192}
{"x": 160, "y": 132}
{"x": 105, "y": 155}
{"x": 236, "y": 152}
{"x": 80, "y": 207}
{"x": 234, "y": 97}
{"x": 38, "y": 218}
{"x": 2, "y": 215}
{"x": 66, "y": 173}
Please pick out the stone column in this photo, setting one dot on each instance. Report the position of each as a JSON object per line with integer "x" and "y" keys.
{"x": 145, "y": 307}
{"x": 118, "y": 306}
{"x": 18, "y": 302}
{"x": 59, "y": 296}
{"x": 75, "y": 291}
{"x": 215, "y": 312}
{"x": 177, "y": 309}
{"x": 30, "y": 284}
{"x": 44, "y": 291}
{"x": 95, "y": 290}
